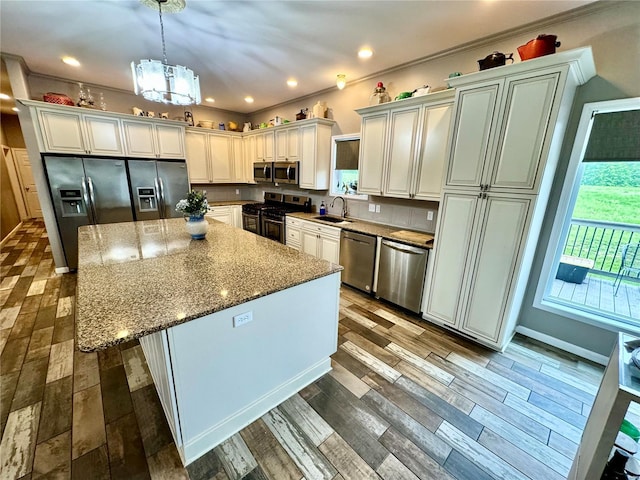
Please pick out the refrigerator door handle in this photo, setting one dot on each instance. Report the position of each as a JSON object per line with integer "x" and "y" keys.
{"x": 163, "y": 206}
{"x": 85, "y": 198}
{"x": 158, "y": 197}
{"x": 92, "y": 199}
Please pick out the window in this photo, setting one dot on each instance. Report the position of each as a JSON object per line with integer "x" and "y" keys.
{"x": 345, "y": 150}
{"x": 592, "y": 266}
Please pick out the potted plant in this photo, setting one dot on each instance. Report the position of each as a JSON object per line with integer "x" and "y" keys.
{"x": 194, "y": 207}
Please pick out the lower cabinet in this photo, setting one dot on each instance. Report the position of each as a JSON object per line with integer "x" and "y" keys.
{"x": 321, "y": 241}
{"x": 477, "y": 261}
{"x": 229, "y": 214}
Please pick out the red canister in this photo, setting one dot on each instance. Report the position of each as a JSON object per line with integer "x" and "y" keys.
{"x": 539, "y": 46}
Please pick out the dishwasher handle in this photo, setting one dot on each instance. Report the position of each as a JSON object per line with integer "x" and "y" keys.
{"x": 405, "y": 249}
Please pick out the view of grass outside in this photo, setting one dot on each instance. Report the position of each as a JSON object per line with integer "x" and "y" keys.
{"x": 609, "y": 193}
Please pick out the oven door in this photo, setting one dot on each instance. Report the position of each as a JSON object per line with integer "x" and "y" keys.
{"x": 251, "y": 223}
{"x": 273, "y": 229}
{"x": 286, "y": 172}
{"x": 263, "y": 172}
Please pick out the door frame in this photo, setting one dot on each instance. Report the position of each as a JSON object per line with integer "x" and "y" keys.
{"x": 16, "y": 181}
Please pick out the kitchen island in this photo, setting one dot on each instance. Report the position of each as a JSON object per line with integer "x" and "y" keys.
{"x": 230, "y": 326}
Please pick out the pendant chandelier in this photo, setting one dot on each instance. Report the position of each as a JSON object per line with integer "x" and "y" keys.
{"x": 157, "y": 80}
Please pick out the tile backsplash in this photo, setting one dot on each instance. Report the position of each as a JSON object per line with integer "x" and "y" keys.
{"x": 412, "y": 214}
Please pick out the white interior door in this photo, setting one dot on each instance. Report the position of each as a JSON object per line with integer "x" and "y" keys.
{"x": 29, "y": 190}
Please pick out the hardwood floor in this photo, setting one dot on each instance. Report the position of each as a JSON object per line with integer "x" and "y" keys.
{"x": 404, "y": 400}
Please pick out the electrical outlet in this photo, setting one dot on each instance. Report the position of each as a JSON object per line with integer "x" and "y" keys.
{"x": 372, "y": 207}
{"x": 430, "y": 215}
{"x": 237, "y": 191}
{"x": 377, "y": 208}
{"x": 243, "y": 318}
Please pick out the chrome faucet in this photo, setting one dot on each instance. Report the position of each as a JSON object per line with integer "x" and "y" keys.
{"x": 344, "y": 205}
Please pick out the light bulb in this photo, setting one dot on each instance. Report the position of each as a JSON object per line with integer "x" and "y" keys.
{"x": 341, "y": 80}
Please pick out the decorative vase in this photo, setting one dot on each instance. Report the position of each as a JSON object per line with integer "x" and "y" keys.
{"x": 196, "y": 226}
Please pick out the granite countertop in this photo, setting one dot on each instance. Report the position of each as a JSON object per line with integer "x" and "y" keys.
{"x": 370, "y": 228}
{"x": 224, "y": 203}
{"x": 137, "y": 278}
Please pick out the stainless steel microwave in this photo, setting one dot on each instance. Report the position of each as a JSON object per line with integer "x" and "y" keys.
{"x": 286, "y": 172}
{"x": 263, "y": 172}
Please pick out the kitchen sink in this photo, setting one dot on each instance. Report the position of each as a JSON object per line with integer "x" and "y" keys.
{"x": 331, "y": 219}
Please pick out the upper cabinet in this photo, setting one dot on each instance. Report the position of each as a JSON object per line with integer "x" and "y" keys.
{"x": 215, "y": 157}
{"x": 403, "y": 147}
{"x": 315, "y": 153}
{"x": 70, "y": 131}
{"x": 500, "y": 132}
{"x": 287, "y": 144}
{"x": 149, "y": 139}
{"x": 74, "y": 130}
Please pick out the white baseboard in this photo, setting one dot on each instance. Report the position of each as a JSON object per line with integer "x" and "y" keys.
{"x": 62, "y": 269}
{"x": 562, "y": 345}
{"x": 195, "y": 448}
{"x": 10, "y": 234}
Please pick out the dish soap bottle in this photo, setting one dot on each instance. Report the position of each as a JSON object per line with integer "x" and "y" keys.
{"x": 323, "y": 209}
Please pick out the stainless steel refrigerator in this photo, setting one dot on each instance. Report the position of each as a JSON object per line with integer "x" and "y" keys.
{"x": 88, "y": 191}
{"x": 156, "y": 187}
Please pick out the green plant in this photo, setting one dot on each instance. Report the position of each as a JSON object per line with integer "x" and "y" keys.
{"x": 194, "y": 204}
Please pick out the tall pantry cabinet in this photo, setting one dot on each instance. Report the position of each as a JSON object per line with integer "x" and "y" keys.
{"x": 507, "y": 131}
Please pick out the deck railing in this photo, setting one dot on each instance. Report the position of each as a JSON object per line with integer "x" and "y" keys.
{"x": 601, "y": 242}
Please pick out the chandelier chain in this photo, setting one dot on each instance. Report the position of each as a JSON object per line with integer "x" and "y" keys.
{"x": 164, "y": 47}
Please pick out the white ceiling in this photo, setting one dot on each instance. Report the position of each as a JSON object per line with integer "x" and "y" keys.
{"x": 244, "y": 48}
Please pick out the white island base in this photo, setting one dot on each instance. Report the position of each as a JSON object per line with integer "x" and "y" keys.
{"x": 214, "y": 379}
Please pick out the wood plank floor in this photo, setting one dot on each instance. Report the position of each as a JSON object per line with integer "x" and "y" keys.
{"x": 597, "y": 293}
{"x": 404, "y": 400}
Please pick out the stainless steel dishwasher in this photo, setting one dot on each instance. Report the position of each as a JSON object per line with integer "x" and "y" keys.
{"x": 401, "y": 274}
{"x": 358, "y": 257}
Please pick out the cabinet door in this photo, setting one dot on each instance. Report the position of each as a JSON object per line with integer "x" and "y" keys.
{"x": 259, "y": 139}
{"x": 310, "y": 241}
{"x": 433, "y": 152}
{"x": 474, "y": 118}
{"x": 372, "y": 153}
{"x": 281, "y": 145}
{"x": 196, "y": 144}
{"x": 170, "y": 141}
{"x": 529, "y": 104}
{"x": 502, "y": 228}
{"x": 103, "y": 135}
{"x": 287, "y": 144}
{"x": 269, "y": 147}
{"x": 61, "y": 132}
{"x": 330, "y": 249}
{"x": 249, "y": 156}
{"x": 403, "y": 133}
{"x": 139, "y": 139}
{"x": 220, "y": 157}
{"x": 239, "y": 170}
{"x": 307, "y": 175}
{"x": 221, "y": 214}
{"x": 455, "y": 226}
{"x": 236, "y": 212}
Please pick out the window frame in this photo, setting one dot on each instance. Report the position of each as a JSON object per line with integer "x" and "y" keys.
{"x": 332, "y": 190}
{"x": 562, "y": 223}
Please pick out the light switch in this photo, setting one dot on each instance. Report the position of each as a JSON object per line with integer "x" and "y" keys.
{"x": 430, "y": 215}
{"x": 377, "y": 208}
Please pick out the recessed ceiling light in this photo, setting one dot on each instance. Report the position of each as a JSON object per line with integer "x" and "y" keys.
{"x": 365, "y": 52}
{"x": 4, "y": 96}
{"x": 248, "y": 99}
{"x": 71, "y": 61}
{"x": 15, "y": 109}
{"x": 292, "y": 82}
{"x": 209, "y": 99}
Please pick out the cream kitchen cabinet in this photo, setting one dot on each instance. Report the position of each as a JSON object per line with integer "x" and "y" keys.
{"x": 321, "y": 241}
{"x": 480, "y": 241}
{"x": 68, "y": 130}
{"x": 150, "y": 139}
{"x": 403, "y": 147}
{"x": 293, "y": 232}
{"x": 249, "y": 152}
{"x": 214, "y": 157}
{"x": 265, "y": 146}
{"x": 315, "y": 153}
{"x": 507, "y": 130}
{"x": 287, "y": 144}
{"x": 500, "y": 132}
{"x": 229, "y": 214}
